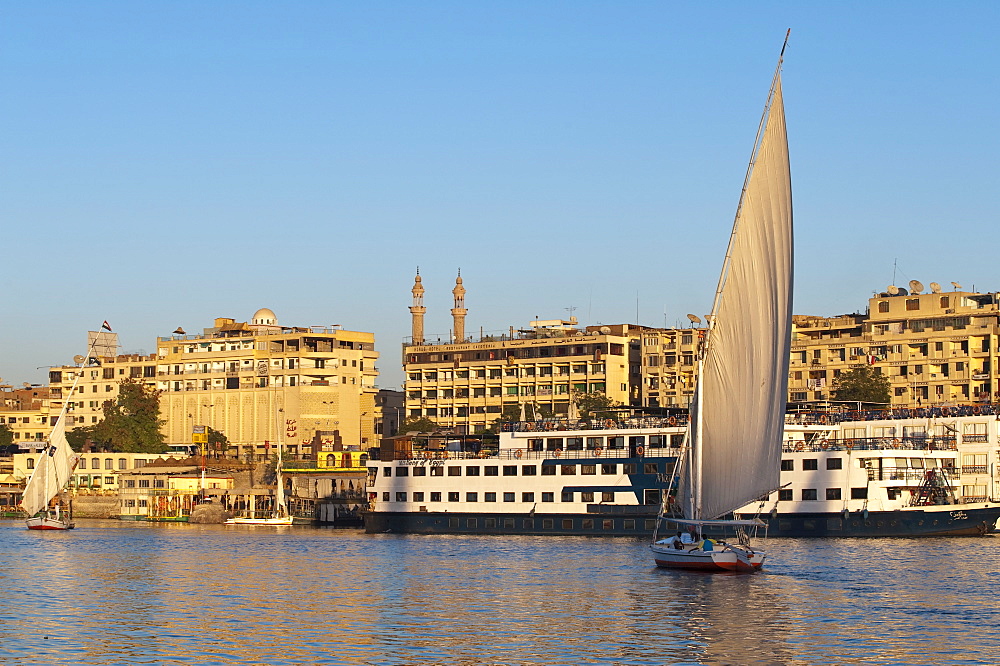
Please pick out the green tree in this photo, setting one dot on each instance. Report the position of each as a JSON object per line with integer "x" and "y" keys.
{"x": 594, "y": 405}
{"x": 862, "y": 385}
{"x": 217, "y": 441}
{"x": 6, "y": 435}
{"x": 77, "y": 437}
{"x": 417, "y": 424}
{"x": 132, "y": 421}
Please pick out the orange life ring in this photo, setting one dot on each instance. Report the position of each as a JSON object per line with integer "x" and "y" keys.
{"x": 945, "y": 411}
{"x": 850, "y": 446}
{"x": 444, "y": 454}
{"x": 550, "y": 426}
{"x": 639, "y": 450}
{"x": 672, "y": 420}
{"x": 529, "y": 426}
{"x": 558, "y": 452}
{"x": 895, "y": 442}
{"x": 428, "y": 455}
{"x": 825, "y": 443}
{"x": 822, "y": 418}
{"x": 597, "y": 451}
{"x": 977, "y": 410}
{"x": 518, "y": 454}
{"x": 799, "y": 445}
{"x": 609, "y": 424}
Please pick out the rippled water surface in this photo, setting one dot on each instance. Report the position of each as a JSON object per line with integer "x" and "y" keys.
{"x": 131, "y": 593}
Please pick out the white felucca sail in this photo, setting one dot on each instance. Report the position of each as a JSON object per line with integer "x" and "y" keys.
{"x": 51, "y": 473}
{"x": 743, "y": 379}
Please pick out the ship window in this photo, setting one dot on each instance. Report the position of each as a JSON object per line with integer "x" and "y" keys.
{"x": 553, "y": 443}
{"x": 588, "y": 524}
{"x": 893, "y": 493}
{"x": 588, "y": 469}
{"x": 649, "y": 468}
{"x": 628, "y": 468}
{"x": 567, "y": 497}
{"x": 508, "y": 497}
{"x": 629, "y": 524}
{"x": 595, "y": 443}
{"x": 508, "y": 523}
{"x": 528, "y": 470}
{"x": 510, "y": 470}
{"x": 491, "y": 470}
{"x": 490, "y": 522}
{"x": 809, "y": 494}
{"x": 471, "y": 497}
{"x": 834, "y": 463}
{"x": 548, "y": 470}
{"x": 452, "y": 497}
{"x": 787, "y": 465}
{"x": 588, "y": 497}
{"x": 859, "y": 493}
{"x": 437, "y": 471}
{"x": 568, "y": 469}
{"x": 609, "y": 469}
{"x": 386, "y": 472}
{"x": 651, "y": 496}
{"x": 472, "y": 522}
{"x": 608, "y": 497}
{"x": 810, "y": 463}
{"x": 528, "y": 523}
{"x": 656, "y": 441}
{"x": 385, "y": 495}
{"x": 453, "y": 522}
{"x": 489, "y": 497}
{"x": 419, "y": 471}
{"x": 435, "y": 497}
{"x": 400, "y": 497}
{"x": 785, "y": 495}
{"x": 527, "y": 497}
{"x": 548, "y": 497}
{"x": 833, "y": 493}
{"x": 418, "y": 497}
{"x": 608, "y": 524}
{"x": 403, "y": 471}
{"x": 567, "y": 523}
{"x": 454, "y": 470}
{"x": 547, "y": 523}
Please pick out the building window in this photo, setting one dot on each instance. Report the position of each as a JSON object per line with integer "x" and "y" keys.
{"x": 452, "y": 497}
{"x": 491, "y": 470}
{"x": 510, "y": 470}
{"x": 386, "y": 472}
{"x": 568, "y": 469}
{"x": 402, "y": 471}
{"x": 471, "y": 497}
{"x": 400, "y": 497}
{"x": 419, "y": 471}
{"x": 809, "y": 494}
{"x": 787, "y": 465}
{"x": 548, "y": 470}
{"x": 834, "y": 463}
{"x": 567, "y": 497}
{"x": 418, "y": 497}
{"x": 810, "y": 463}
{"x": 528, "y": 470}
{"x": 454, "y": 470}
{"x": 437, "y": 471}
{"x": 508, "y": 497}
{"x": 833, "y": 493}
{"x": 435, "y": 497}
{"x": 489, "y": 497}
{"x": 588, "y": 496}
{"x": 548, "y": 497}
{"x": 527, "y": 497}
{"x": 785, "y": 495}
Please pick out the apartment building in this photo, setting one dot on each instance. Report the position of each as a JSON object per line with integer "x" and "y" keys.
{"x": 936, "y": 348}
{"x": 259, "y": 383}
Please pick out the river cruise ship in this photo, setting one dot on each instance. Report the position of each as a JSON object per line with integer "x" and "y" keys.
{"x": 898, "y": 473}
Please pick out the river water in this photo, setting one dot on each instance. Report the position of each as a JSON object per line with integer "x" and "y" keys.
{"x": 135, "y": 593}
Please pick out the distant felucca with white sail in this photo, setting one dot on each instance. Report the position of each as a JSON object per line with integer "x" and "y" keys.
{"x": 733, "y": 445}
{"x": 55, "y": 464}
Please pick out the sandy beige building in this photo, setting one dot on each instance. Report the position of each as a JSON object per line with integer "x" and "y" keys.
{"x": 937, "y": 348}
{"x": 259, "y": 382}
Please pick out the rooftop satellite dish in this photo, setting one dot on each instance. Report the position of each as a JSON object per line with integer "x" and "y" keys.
{"x": 956, "y": 285}
{"x": 935, "y": 288}
{"x": 79, "y": 359}
{"x": 902, "y": 291}
{"x": 892, "y": 290}
{"x": 916, "y": 287}
{"x": 179, "y": 331}
{"x": 695, "y": 319}
{"x": 605, "y": 329}
{"x": 26, "y": 384}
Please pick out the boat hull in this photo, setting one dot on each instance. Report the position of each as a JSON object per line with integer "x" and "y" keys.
{"x": 562, "y": 524}
{"x": 286, "y": 520}
{"x": 712, "y": 561}
{"x": 949, "y": 520}
{"x": 44, "y": 523}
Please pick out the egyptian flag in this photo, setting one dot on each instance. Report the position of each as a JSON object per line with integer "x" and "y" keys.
{"x": 106, "y": 326}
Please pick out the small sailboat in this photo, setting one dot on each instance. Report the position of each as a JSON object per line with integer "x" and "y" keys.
{"x": 733, "y": 446}
{"x": 42, "y": 498}
{"x": 280, "y": 515}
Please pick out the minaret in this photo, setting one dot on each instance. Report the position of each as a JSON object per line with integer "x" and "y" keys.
{"x": 458, "y": 312}
{"x": 417, "y": 310}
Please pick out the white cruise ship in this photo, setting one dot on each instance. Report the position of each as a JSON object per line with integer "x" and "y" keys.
{"x": 907, "y": 473}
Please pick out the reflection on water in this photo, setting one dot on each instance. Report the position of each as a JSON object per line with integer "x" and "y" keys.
{"x": 117, "y": 593}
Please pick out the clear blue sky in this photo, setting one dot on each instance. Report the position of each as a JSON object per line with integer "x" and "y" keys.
{"x": 167, "y": 163}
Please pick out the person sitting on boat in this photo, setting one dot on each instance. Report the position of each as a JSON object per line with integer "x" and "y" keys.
{"x": 687, "y": 538}
{"x": 708, "y": 544}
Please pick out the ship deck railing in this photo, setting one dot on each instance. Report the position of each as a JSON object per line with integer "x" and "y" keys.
{"x": 554, "y": 425}
{"x": 873, "y": 444}
{"x": 911, "y": 474}
{"x": 528, "y": 454}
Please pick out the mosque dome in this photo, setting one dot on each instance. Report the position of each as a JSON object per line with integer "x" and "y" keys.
{"x": 264, "y": 317}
